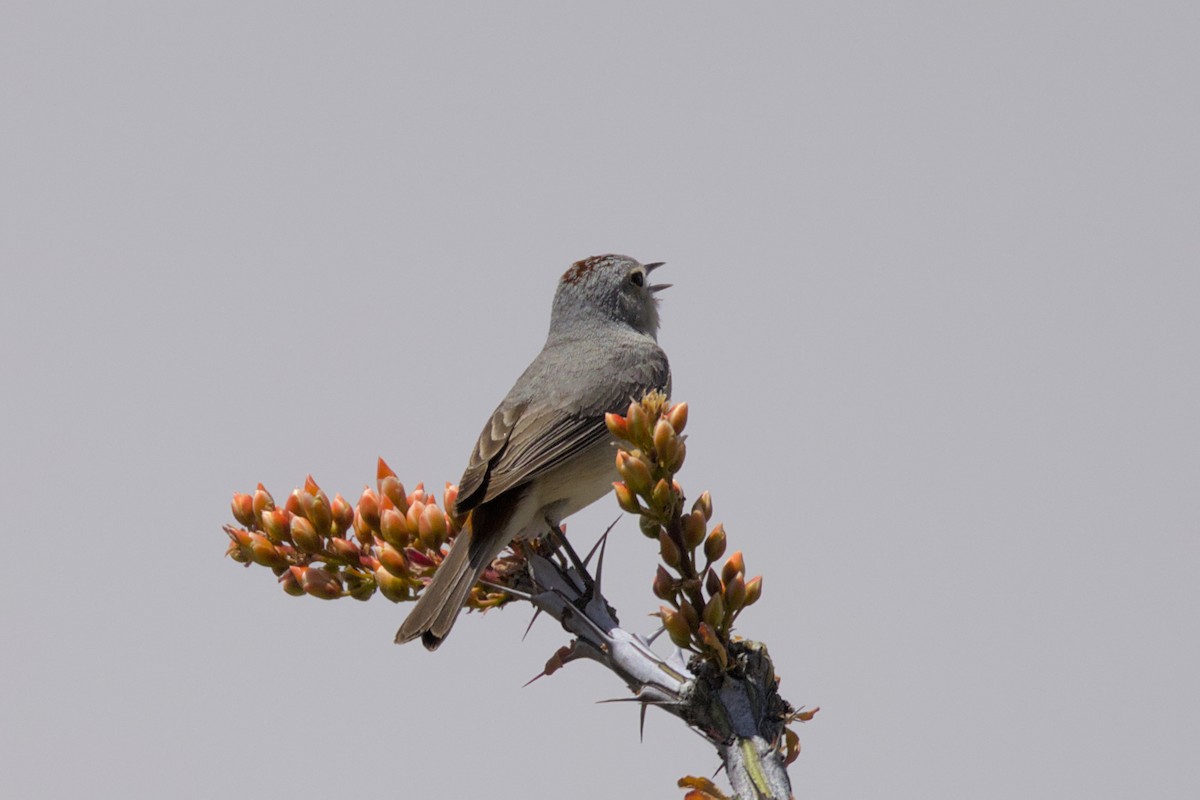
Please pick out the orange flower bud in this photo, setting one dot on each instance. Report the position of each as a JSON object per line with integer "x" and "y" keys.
{"x": 305, "y": 536}
{"x": 310, "y": 486}
{"x": 617, "y": 426}
{"x": 390, "y": 586}
{"x": 292, "y": 504}
{"x": 344, "y": 549}
{"x": 734, "y": 566}
{"x": 662, "y": 498}
{"x": 243, "y": 509}
{"x": 263, "y": 552}
{"x": 714, "y": 545}
{"x": 664, "y": 436}
{"x": 277, "y": 524}
{"x": 343, "y": 514}
{"x": 320, "y": 514}
{"x": 638, "y": 424}
{"x": 678, "y": 416}
{"x": 735, "y": 593}
{"x": 677, "y": 627}
{"x": 431, "y": 526}
{"x": 626, "y": 499}
{"x": 673, "y": 461}
{"x": 393, "y": 561}
{"x": 450, "y": 498}
{"x": 391, "y": 488}
{"x": 669, "y": 550}
{"x": 753, "y": 590}
{"x": 320, "y": 582}
{"x": 703, "y": 504}
{"x": 709, "y": 637}
{"x": 290, "y": 584}
{"x": 635, "y": 472}
{"x": 368, "y": 507}
{"x": 393, "y": 527}
{"x": 262, "y": 501}
{"x": 693, "y": 530}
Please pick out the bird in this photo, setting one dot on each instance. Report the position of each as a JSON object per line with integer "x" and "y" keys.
{"x": 546, "y": 451}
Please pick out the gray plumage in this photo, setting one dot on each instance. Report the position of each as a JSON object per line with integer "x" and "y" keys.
{"x": 546, "y": 452}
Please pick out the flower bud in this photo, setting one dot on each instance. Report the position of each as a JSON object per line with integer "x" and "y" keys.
{"x": 358, "y": 587}
{"x": 320, "y": 582}
{"x": 368, "y": 507}
{"x": 678, "y": 416}
{"x": 390, "y": 586}
{"x": 617, "y": 426}
{"x": 635, "y": 472}
{"x": 638, "y": 424}
{"x": 290, "y": 584}
{"x": 712, "y": 584}
{"x": 666, "y": 443}
{"x": 693, "y": 530}
{"x": 650, "y": 527}
{"x": 412, "y": 517}
{"x": 714, "y": 545}
{"x": 714, "y": 612}
{"x": 734, "y": 566}
{"x": 703, "y": 504}
{"x": 664, "y": 586}
{"x": 393, "y": 561}
{"x": 343, "y": 515}
{"x": 262, "y": 501}
{"x": 753, "y": 590}
{"x": 292, "y": 504}
{"x": 626, "y": 499}
{"x": 450, "y": 499}
{"x": 393, "y": 527}
{"x": 391, "y": 488}
{"x": 305, "y": 536}
{"x": 243, "y": 509}
{"x": 277, "y": 525}
{"x": 669, "y": 550}
{"x": 791, "y": 746}
{"x": 344, "y": 549}
{"x": 735, "y": 593}
{"x": 674, "y": 459}
{"x": 662, "y": 498}
{"x": 431, "y": 527}
{"x": 264, "y": 553}
{"x": 310, "y": 486}
{"x": 320, "y": 514}
{"x": 688, "y": 612}
{"x": 677, "y": 627}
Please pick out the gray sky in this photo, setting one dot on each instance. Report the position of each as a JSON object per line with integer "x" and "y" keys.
{"x": 936, "y": 281}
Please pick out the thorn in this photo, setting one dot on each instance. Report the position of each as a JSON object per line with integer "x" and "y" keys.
{"x": 603, "y": 544}
{"x": 655, "y": 635}
{"x": 533, "y": 619}
{"x": 642, "y": 724}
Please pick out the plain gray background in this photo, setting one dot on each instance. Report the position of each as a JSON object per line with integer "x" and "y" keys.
{"x": 936, "y": 281}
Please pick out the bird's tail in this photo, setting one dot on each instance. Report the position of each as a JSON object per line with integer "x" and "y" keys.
{"x": 442, "y": 601}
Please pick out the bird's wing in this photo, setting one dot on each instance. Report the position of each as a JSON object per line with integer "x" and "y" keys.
{"x": 525, "y": 439}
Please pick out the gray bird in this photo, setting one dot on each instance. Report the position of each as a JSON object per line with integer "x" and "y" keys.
{"x": 546, "y": 451}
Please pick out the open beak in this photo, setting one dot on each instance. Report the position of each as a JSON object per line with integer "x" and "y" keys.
{"x": 658, "y": 287}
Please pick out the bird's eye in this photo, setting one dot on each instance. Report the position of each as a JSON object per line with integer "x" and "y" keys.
{"x": 638, "y": 278}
